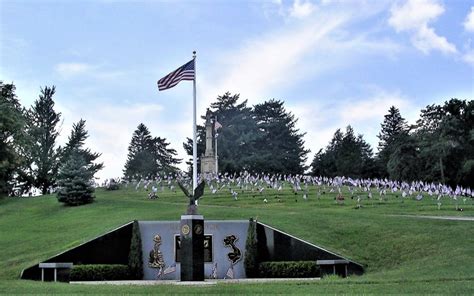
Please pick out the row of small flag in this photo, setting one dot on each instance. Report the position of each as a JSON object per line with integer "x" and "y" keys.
{"x": 172, "y": 268}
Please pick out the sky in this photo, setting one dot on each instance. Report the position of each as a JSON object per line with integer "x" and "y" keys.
{"x": 334, "y": 63}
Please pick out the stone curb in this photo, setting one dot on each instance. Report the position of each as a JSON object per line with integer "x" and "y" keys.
{"x": 198, "y": 283}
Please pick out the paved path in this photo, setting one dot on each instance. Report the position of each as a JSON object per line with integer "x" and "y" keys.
{"x": 203, "y": 283}
{"x": 452, "y": 218}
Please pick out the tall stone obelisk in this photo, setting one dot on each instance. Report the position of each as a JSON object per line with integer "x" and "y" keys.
{"x": 208, "y": 159}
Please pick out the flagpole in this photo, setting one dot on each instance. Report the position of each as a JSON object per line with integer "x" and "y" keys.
{"x": 194, "y": 128}
{"x": 215, "y": 145}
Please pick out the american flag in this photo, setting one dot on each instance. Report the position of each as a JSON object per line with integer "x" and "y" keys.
{"x": 230, "y": 272}
{"x": 214, "y": 271}
{"x": 185, "y": 72}
{"x": 160, "y": 273}
{"x": 217, "y": 125}
{"x": 170, "y": 269}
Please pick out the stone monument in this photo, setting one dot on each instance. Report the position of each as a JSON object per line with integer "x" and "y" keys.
{"x": 192, "y": 238}
{"x": 208, "y": 159}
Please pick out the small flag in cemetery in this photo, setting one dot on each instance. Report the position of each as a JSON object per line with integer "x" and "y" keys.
{"x": 230, "y": 272}
{"x": 185, "y": 72}
{"x": 214, "y": 271}
{"x": 170, "y": 269}
{"x": 217, "y": 125}
{"x": 160, "y": 273}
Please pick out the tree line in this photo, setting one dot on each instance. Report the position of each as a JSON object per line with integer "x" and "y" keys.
{"x": 439, "y": 147}
{"x": 30, "y": 157}
{"x": 262, "y": 138}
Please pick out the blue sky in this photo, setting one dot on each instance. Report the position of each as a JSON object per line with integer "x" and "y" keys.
{"x": 333, "y": 62}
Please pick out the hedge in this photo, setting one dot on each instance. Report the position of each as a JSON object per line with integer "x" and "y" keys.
{"x": 100, "y": 272}
{"x": 289, "y": 269}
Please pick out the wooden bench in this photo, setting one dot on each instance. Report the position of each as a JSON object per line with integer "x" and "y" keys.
{"x": 333, "y": 263}
{"x": 56, "y": 266}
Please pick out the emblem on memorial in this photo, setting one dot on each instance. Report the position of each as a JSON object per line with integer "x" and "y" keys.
{"x": 185, "y": 229}
{"x": 198, "y": 229}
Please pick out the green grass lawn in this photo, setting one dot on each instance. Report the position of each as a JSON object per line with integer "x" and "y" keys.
{"x": 401, "y": 254}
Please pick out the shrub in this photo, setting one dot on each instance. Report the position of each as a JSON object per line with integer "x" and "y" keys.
{"x": 75, "y": 182}
{"x": 289, "y": 269}
{"x": 251, "y": 251}
{"x": 99, "y": 272}
{"x": 135, "y": 261}
{"x": 113, "y": 185}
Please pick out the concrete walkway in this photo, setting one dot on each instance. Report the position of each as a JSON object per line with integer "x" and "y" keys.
{"x": 204, "y": 283}
{"x": 452, "y": 218}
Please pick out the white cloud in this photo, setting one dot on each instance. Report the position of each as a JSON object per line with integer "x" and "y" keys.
{"x": 270, "y": 61}
{"x": 426, "y": 39}
{"x": 68, "y": 70}
{"x": 265, "y": 65}
{"x": 373, "y": 108}
{"x": 414, "y": 17}
{"x": 469, "y": 22}
{"x": 468, "y": 57}
{"x": 110, "y": 128}
{"x": 301, "y": 9}
{"x": 364, "y": 112}
{"x": 72, "y": 69}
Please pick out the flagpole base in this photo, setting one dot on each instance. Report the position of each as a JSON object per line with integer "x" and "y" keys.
{"x": 192, "y": 248}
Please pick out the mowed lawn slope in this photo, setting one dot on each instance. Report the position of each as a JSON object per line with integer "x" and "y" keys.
{"x": 401, "y": 253}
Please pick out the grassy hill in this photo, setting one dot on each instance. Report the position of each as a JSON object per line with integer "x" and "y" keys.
{"x": 401, "y": 253}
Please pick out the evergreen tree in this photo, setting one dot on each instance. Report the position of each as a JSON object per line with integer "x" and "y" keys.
{"x": 12, "y": 137}
{"x": 43, "y": 156}
{"x": 237, "y": 138}
{"x": 135, "y": 258}
{"x": 147, "y": 156}
{"x": 445, "y": 140}
{"x": 75, "y": 144}
{"x": 139, "y": 159}
{"x": 251, "y": 250}
{"x": 324, "y": 162}
{"x": 188, "y": 147}
{"x": 404, "y": 161}
{"x": 75, "y": 181}
{"x": 279, "y": 140}
{"x": 393, "y": 125}
{"x": 346, "y": 155}
{"x": 262, "y": 139}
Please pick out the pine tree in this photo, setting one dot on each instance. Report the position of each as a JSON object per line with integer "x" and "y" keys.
{"x": 135, "y": 261}
{"x": 404, "y": 161}
{"x": 345, "y": 155}
{"x": 42, "y": 127}
{"x": 75, "y": 181}
{"x": 237, "y": 138}
{"x": 393, "y": 126}
{"x": 251, "y": 250}
{"x": 147, "y": 156}
{"x": 76, "y": 141}
{"x": 188, "y": 147}
{"x": 279, "y": 139}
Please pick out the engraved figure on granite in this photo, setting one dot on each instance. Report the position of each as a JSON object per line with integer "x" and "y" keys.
{"x": 155, "y": 259}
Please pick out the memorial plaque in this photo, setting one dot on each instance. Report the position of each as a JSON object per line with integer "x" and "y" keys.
{"x": 207, "y": 248}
